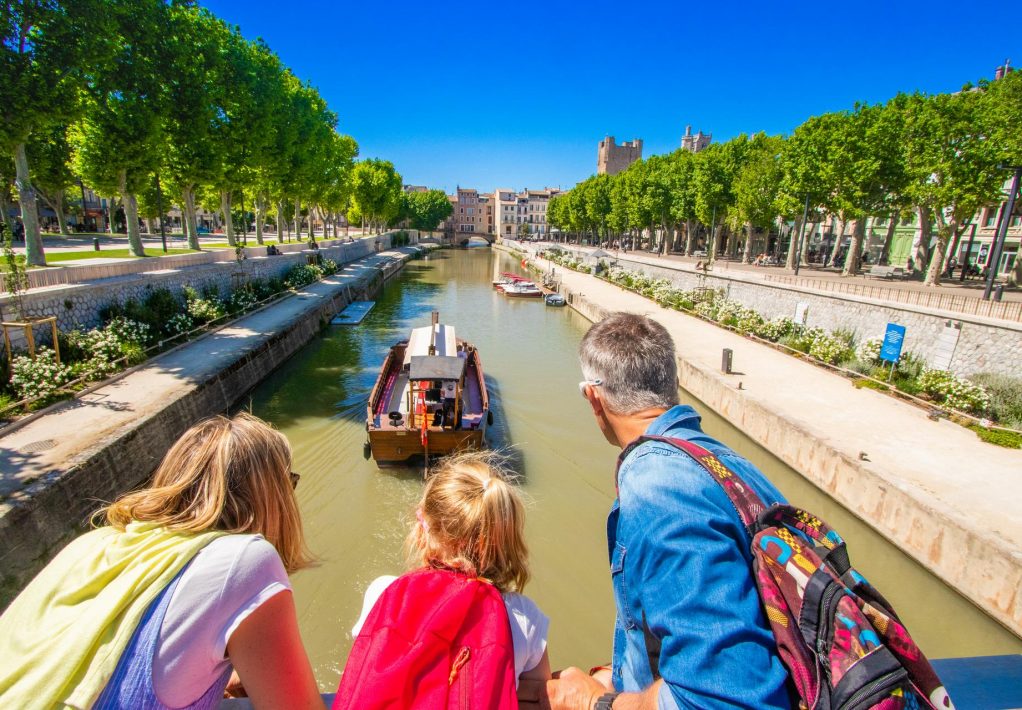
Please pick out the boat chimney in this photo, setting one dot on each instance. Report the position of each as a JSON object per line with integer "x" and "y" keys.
{"x": 432, "y": 332}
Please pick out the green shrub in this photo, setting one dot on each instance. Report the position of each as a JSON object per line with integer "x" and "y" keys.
{"x": 1005, "y": 397}
{"x": 240, "y": 301}
{"x": 179, "y": 323}
{"x": 302, "y": 274}
{"x": 869, "y": 385}
{"x": 203, "y": 310}
{"x": 1007, "y": 439}
{"x": 910, "y": 366}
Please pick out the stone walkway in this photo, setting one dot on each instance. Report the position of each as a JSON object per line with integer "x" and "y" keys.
{"x": 944, "y": 496}
{"x": 75, "y": 430}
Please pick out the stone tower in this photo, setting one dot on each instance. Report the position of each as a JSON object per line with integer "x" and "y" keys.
{"x": 612, "y": 159}
{"x": 695, "y": 143}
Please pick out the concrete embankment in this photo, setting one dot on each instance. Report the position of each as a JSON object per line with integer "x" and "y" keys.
{"x": 57, "y": 469}
{"x": 930, "y": 487}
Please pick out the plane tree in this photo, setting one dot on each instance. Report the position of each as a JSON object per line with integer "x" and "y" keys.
{"x": 43, "y": 66}
{"x": 951, "y": 165}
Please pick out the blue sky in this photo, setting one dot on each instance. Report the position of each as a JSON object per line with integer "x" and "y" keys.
{"x": 517, "y": 95}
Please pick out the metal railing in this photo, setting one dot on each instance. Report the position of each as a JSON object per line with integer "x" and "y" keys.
{"x": 1001, "y": 310}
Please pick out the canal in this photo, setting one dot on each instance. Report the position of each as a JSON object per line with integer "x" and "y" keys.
{"x": 356, "y": 515}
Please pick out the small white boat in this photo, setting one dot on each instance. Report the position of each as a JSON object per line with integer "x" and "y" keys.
{"x": 522, "y": 289}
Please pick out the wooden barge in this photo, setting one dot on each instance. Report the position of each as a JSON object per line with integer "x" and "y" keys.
{"x": 429, "y": 399}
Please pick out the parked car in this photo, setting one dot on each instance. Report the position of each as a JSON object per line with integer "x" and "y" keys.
{"x": 203, "y": 230}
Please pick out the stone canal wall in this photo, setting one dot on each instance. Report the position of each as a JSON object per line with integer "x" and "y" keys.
{"x": 977, "y": 344}
{"x": 79, "y": 305}
{"x": 122, "y": 446}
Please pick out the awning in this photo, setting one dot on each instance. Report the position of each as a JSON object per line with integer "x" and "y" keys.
{"x": 436, "y": 367}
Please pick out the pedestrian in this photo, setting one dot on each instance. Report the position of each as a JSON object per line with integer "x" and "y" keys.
{"x": 690, "y": 629}
{"x": 911, "y": 265}
{"x": 19, "y": 230}
{"x": 187, "y": 579}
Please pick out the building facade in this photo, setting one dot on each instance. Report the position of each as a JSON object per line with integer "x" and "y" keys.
{"x": 473, "y": 213}
{"x": 697, "y": 142}
{"x": 522, "y": 214}
{"x": 611, "y": 159}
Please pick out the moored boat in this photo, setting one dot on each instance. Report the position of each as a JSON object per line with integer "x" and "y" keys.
{"x": 555, "y": 299}
{"x": 429, "y": 399}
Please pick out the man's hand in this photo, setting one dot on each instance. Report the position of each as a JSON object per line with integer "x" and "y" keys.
{"x": 573, "y": 689}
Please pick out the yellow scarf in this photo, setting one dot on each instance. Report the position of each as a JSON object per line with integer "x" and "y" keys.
{"x": 61, "y": 638}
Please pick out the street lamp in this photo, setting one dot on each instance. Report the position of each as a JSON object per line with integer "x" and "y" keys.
{"x": 1002, "y": 229}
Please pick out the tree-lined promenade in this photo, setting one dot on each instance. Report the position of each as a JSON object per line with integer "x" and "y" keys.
{"x": 941, "y": 157}
{"x": 153, "y": 103}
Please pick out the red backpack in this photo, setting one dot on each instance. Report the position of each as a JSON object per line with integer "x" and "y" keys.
{"x": 434, "y": 639}
{"x": 843, "y": 645}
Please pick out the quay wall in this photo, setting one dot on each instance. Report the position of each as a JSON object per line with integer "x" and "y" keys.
{"x": 39, "y": 520}
{"x": 78, "y": 305}
{"x": 983, "y": 345}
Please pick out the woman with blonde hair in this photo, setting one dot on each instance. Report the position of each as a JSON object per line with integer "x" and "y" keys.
{"x": 470, "y": 522}
{"x": 188, "y": 579}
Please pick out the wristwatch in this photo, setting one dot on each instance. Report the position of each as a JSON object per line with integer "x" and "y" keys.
{"x": 605, "y": 701}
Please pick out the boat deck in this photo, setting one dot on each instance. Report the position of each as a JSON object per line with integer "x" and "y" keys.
{"x": 394, "y": 398}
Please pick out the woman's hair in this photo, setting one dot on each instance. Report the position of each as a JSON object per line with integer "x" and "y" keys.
{"x": 471, "y": 519}
{"x": 223, "y": 474}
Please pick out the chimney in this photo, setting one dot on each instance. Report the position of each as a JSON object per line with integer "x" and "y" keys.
{"x": 688, "y": 130}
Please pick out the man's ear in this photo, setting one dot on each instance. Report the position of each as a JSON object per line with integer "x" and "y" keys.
{"x": 595, "y": 401}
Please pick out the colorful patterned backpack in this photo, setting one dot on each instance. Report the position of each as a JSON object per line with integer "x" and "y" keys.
{"x": 843, "y": 645}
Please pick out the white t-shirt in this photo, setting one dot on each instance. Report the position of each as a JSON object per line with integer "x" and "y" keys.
{"x": 224, "y": 583}
{"x": 529, "y": 625}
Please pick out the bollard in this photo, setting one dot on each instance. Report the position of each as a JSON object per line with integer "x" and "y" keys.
{"x": 998, "y": 292}
{"x": 725, "y": 361}
{"x": 95, "y": 243}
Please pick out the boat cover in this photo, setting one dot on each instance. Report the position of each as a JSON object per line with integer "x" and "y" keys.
{"x": 418, "y": 342}
{"x": 436, "y": 368}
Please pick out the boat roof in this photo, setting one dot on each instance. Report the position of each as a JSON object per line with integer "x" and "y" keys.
{"x": 513, "y": 277}
{"x": 418, "y": 342}
{"x": 436, "y": 368}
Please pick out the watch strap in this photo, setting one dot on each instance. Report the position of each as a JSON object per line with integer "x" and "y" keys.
{"x": 605, "y": 701}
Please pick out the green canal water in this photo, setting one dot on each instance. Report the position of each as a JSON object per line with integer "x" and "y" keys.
{"x": 356, "y": 515}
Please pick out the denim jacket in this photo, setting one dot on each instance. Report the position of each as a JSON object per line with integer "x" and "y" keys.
{"x": 682, "y": 575}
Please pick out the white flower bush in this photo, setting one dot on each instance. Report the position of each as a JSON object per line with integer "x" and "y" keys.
{"x": 869, "y": 350}
{"x": 828, "y": 348}
{"x": 774, "y": 330}
{"x": 39, "y": 377}
{"x": 179, "y": 323}
{"x": 953, "y": 392}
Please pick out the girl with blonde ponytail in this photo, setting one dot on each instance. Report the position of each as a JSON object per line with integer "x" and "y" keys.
{"x": 471, "y": 519}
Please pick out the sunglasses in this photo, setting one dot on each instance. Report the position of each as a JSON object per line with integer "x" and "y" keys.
{"x": 295, "y": 477}
{"x": 588, "y": 383}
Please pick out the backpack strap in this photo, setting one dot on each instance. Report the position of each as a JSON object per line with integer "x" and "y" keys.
{"x": 746, "y": 502}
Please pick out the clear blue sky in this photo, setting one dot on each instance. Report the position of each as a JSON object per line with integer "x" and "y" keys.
{"x": 517, "y": 94}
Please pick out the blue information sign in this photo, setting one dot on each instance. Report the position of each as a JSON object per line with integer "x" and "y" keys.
{"x": 894, "y": 338}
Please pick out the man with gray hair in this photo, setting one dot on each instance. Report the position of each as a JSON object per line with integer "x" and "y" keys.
{"x": 690, "y": 630}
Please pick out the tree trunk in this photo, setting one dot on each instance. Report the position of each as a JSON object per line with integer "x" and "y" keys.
{"x": 58, "y": 209}
{"x": 885, "y": 253}
{"x": 711, "y": 245}
{"x": 34, "y": 254}
{"x": 688, "y": 237}
{"x": 191, "y": 224}
{"x": 839, "y": 236}
{"x": 944, "y": 233}
{"x": 923, "y": 237}
{"x": 5, "y": 205}
{"x": 225, "y": 208}
{"x": 282, "y": 223}
{"x": 852, "y": 258}
{"x": 260, "y": 212}
{"x": 747, "y": 251}
{"x": 298, "y": 219}
{"x": 150, "y": 225}
{"x": 130, "y": 215}
{"x": 793, "y": 243}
